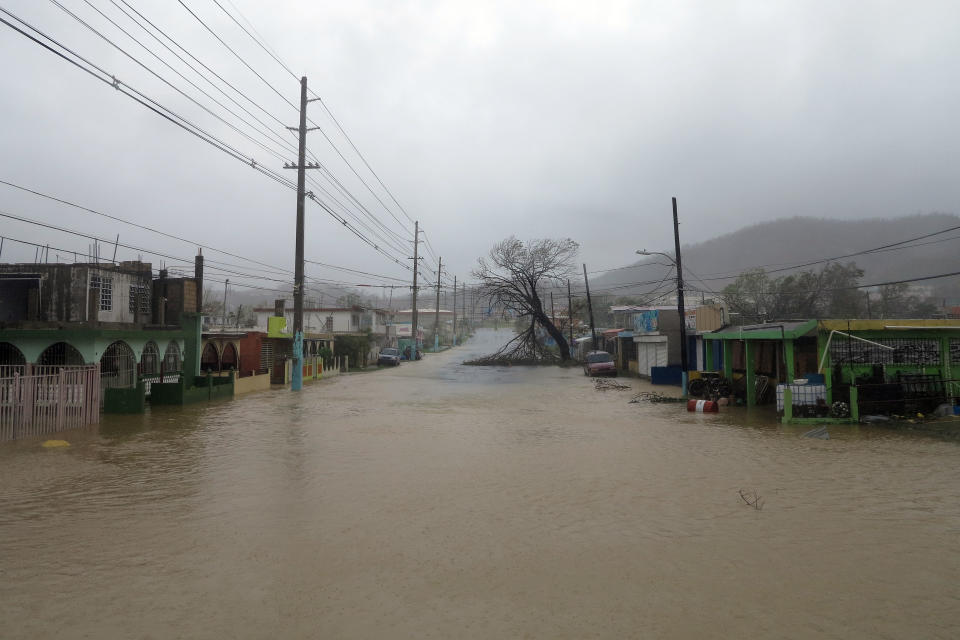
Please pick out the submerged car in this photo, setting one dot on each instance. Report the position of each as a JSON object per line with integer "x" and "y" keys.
{"x": 389, "y": 356}
{"x": 599, "y": 363}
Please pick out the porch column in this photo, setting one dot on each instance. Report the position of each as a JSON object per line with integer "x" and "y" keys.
{"x": 748, "y": 353}
{"x": 827, "y": 367}
{"x": 708, "y": 353}
{"x": 788, "y": 353}
{"x": 728, "y": 359}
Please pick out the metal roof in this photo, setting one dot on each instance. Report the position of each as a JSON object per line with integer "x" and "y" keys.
{"x": 789, "y": 330}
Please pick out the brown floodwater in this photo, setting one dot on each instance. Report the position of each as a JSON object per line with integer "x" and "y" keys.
{"x": 436, "y": 500}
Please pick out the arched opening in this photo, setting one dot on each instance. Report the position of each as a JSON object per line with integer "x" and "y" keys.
{"x": 210, "y": 359}
{"x": 60, "y": 354}
{"x": 150, "y": 359}
{"x": 171, "y": 357}
{"x": 229, "y": 358}
{"x": 11, "y": 360}
{"x": 118, "y": 367}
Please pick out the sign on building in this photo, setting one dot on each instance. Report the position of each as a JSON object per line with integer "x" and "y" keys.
{"x": 646, "y": 321}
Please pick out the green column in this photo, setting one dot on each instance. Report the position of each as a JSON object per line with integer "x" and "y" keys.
{"x": 708, "y": 360}
{"x": 791, "y": 372}
{"x": 827, "y": 375}
{"x": 728, "y": 359}
{"x": 192, "y": 325}
{"x": 748, "y": 354}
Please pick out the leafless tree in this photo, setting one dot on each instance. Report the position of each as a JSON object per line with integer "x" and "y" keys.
{"x": 514, "y": 276}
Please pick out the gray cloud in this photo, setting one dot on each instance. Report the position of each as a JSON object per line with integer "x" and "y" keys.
{"x": 491, "y": 119}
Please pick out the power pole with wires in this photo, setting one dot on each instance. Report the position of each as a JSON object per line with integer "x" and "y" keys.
{"x": 593, "y": 328}
{"x": 296, "y": 381}
{"x": 436, "y": 312}
{"x": 570, "y": 312}
{"x": 454, "y": 310}
{"x": 413, "y": 297}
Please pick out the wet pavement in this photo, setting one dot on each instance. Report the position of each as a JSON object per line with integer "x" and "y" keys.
{"x": 438, "y": 500}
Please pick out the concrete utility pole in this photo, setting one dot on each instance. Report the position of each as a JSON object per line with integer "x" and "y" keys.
{"x": 463, "y": 303}
{"x": 593, "y": 328}
{"x": 680, "y": 309}
{"x": 454, "y": 310}
{"x": 225, "y": 285}
{"x": 296, "y": 381}
{"x": 416, "y": 268}
{"x": 436, "y": 312}
{"x": 553, "y": 311}
{"x": 570, "y": 313}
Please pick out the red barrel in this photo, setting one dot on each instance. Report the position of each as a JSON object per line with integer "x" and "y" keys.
{"x": 703, "y": 406}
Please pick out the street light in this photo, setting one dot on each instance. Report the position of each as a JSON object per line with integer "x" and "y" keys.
{"x": 680, "y": 311}
{"x": 644, "y": 252}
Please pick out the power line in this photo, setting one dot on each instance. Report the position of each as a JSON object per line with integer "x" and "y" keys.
{"x": 172, "y": 117}
{"x": 322, "y": 132}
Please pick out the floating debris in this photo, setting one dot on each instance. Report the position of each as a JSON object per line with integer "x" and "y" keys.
{"x": 752, "y": 498}
{"x": 55, "y": 443}
{"x": 653, "y": 396}
{"x": 606, "y": 384}
{"x": 820, "y": 433}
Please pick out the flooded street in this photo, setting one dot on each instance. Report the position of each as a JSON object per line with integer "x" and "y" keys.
{"x": 437, "y": 500}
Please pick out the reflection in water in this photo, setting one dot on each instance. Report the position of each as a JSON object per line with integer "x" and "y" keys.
{"x": 475, "y": 502}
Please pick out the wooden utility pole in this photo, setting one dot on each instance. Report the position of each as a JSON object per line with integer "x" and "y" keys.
{"x": 593, "y": 328}
{"x": 436, "y": 312}
{"x": 553, "y": 311}
{"x": 454, "y": 310}
{"x": 416, "y": 268}
{"x": 570, "y": 313}
{"x": 680, "y": 308}
{"x": 463, "y": 303}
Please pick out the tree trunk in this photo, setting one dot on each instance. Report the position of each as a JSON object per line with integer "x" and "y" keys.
{"x": 556, "y": 334}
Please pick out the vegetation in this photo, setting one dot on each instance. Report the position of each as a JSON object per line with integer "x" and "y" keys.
{"x": 514, "y": 276}
{"x": 354, "y": 347}
{"x": 831, "y": 292}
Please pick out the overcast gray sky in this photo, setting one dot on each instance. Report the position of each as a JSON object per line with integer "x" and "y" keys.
{"x": 487, "y": 119}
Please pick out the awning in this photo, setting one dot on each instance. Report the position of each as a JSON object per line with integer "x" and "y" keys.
{"x": 612, "y": 333}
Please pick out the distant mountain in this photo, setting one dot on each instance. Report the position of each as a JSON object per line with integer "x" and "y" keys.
{"x": 784, "y": 243}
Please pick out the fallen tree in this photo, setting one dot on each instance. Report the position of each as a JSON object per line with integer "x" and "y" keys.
{"x": 513, "y": 277}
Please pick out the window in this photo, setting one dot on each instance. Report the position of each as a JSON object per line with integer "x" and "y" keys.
{"x": 140, "y": 292}
{"x": 105, "y": 285}
{"x": 329, "y": 325}
{"x": 354, "y": 321}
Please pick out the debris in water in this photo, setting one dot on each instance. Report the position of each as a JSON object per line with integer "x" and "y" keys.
{"x": 55, "y": 443}
{"x": 653, "y": 396}
{"x": 819, "y": 432}
{"x": 605, "y": 384}
{"x": 752, "y": 498}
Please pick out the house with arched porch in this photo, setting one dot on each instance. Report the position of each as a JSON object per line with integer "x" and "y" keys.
{"x": 114, "y": 319}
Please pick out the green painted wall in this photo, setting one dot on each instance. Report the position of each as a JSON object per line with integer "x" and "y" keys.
{"x": 125, "y": 400}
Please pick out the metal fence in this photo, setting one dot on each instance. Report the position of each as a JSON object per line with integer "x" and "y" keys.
{"x": 48, "y": 399}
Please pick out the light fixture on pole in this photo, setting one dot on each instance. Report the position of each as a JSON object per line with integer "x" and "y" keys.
{"x": 680, "y": 310}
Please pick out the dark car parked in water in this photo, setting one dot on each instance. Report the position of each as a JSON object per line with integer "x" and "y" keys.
{"x": 389, "y": 356}
{"x": 599, "y": 363}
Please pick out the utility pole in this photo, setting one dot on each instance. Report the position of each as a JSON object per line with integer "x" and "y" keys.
{"x": 436, "y": 312}
{"x": 225, "y": 285}
{"x": 570, "y": 313}
{"x": 296, "y": 381}
{"x": 463, "y": 303}
{"x": 553, "y": 311}
{"x": 416, "y": 268}
{"x": 593, "y": 328}
{"x": 454, "y": 310}
{"x": 680, "y": 309}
